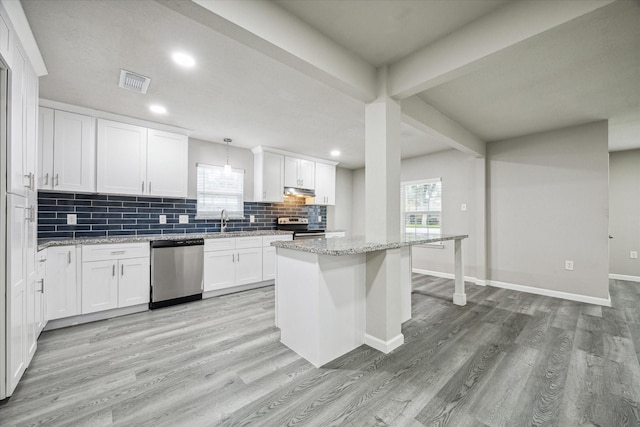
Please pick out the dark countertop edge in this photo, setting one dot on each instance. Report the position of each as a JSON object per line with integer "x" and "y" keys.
{"x": 358, "y": 246}
{"x": 45, "y": 243}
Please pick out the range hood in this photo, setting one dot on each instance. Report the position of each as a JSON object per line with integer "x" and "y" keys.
{"x": 299, "y": 192}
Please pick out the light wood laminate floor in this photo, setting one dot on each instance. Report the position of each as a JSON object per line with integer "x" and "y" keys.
{"x": 505, "y": 359}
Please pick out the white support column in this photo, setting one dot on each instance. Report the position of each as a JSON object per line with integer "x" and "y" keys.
{"x": 480, "y": 226}
{"x": 459, "y": 297}
{"x": 382, "y": 218}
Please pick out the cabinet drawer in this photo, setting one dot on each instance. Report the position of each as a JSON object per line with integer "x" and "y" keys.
{"x": 266, "y": 240}
{"x": 248, "y": 242}
{"x": 114, "y": 251}
{"x": 221, "y": 244}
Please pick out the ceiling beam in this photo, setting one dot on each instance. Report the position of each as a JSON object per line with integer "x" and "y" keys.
{"x": 422, "y": 116}
{"x": 269, "y": 29}
{"x": 462, "y": 51}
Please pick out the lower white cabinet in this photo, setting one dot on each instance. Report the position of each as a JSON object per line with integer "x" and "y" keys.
{"x": 232, "y": 262}
{"x": 114, "y": 276}
{"x": 40, "y": 303}
{"x": 269, "y": 255}
{"x": 61, "y": 283}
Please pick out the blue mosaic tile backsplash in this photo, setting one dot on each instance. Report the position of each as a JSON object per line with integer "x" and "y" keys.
{"x": 102, "y": 215}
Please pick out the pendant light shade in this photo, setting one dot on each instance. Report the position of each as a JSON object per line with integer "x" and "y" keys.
{"x": 227, "y": 166}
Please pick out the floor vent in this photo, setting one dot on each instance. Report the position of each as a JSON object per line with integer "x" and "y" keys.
{"x": 134, "y": 82}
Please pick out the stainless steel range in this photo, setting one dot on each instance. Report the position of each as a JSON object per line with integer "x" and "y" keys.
{"x": 300, "y": 228}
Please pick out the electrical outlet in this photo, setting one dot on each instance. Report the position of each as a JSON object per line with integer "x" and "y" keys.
{"x": 72, "y": 219}
{"x": 633, "y": 254}
{"x": 320, "y": 218}
{"x": 183, "y": 219}
{"x": 568, "y": 265}
{"x": 162, "y": 219}
{"x": 463, "y": 208}
{"x": 252, "y": 218}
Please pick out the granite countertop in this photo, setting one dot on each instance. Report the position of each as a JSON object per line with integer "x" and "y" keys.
{"x": 356, "y": 245}
{"x": 45, "y": 243}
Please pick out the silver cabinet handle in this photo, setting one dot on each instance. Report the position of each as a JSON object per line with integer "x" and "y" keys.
{"x": 32, "y": 214}
{"x": 233, "y": 257}
{"x": 113, "y": 270}
{"x": 69, "y": 257}
{"x": 142, "y": 186}
{"x": 117, "y": 252}
{"x": 149, "y": 187}
{"x": 41, "y": 281}
{"x": 264, "y": 194}
{"x": 57, "y": 182}
{"x": 121, "y": 269}
{"x": 30, "y": 179}
{"x": 46, "y": 179}
{"x": 238, "y": 257}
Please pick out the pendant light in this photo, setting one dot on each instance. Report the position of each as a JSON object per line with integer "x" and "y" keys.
{"x": 227, "y": 166}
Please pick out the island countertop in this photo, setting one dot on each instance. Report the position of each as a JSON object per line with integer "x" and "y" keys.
{"x": 358, "y": 245}
{"x": 45, "y": 243}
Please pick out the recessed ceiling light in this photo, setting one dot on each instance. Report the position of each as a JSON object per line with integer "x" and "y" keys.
{"x": 158, "y": 109}
{"x": 183, "y": 59}
{"x": 335, "y": 153}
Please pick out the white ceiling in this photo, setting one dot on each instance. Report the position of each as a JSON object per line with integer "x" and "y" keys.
{"x": 580, "y": 71}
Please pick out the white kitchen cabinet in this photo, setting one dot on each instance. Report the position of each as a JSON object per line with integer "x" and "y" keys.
{"x": 299, "y": 173}
{"x": 167, "y": 164}
{"x": 18, "y": 180}
{"x": 232, "y": 262}
{"x": 40, "y": 300}
{"x": 66, "y": 151}
{"x": 269, "y": 255}
{"x": 62, "y": 284}
{"x": 325, "y": 185}
{"x": 268, "y": 176}
{"x": 115, "y": 276}
{"x": 122, "y": 158}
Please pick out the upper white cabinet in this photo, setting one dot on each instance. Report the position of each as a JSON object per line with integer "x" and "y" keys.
{"x": 140, "y": 161}
{"x": 299, "y": 173}
{"x": 325, "y": 185}
{"x": 18, "y": 176}
{"x": 66, "y": 149}
{"x": 122, "y": 158}
{"x": 167, "y": 163}
{"x": 268, "y": 176}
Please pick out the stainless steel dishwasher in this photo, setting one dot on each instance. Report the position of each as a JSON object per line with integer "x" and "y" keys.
{"x": 176, "y": 271}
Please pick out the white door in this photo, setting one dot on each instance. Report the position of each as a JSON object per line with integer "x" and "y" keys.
{"x": 268, "y": 263}
{"x": 291, "y": 178}
{"x": 73, "y": 152}
{"x": 31, "y": 128}
{"x": 219, "y": 270}
{"x": 273, "y": 177}
{"x": 45, "y": 148}
{"x": 133, "y": 285}
{"x": 167, "y": 164}
{"x": 248, "y": 266}
{"x": 99, "y": 286}
{"x": 15, "y": 147}
{"x": 325, "y": 184}
{"x": 306, "y": 173}
{"x": 62, "y": 291}
{"x": 122, "y": 158}
{"x": 31, "y": 275}
{"x": 40, "y": 304}
{"x": 16, "y": 292}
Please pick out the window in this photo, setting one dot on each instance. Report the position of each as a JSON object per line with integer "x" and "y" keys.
{"x": 219, "y": 190}
{"x": 421, "y": 210}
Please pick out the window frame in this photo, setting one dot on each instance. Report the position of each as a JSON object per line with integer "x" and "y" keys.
{"x": 404, "y": 212}
{"x": 215, "y": 214}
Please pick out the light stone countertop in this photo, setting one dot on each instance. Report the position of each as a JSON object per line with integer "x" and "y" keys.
{"x": 357, "y": 245}
{"x": 45, "y": 243}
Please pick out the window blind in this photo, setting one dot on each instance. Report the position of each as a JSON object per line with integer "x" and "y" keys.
{"x": 421, "y": 210}
{"x": 218, "y": 190}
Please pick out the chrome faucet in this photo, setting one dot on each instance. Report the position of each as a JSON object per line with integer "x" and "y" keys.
{"x": 224, "y": 220}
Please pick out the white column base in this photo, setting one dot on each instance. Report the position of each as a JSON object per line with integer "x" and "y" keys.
{"x": 384, "y": 346}
{"x": 460, "y": 299}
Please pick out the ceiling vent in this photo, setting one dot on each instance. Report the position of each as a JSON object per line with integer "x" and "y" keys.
{"x": 134, "y": 82}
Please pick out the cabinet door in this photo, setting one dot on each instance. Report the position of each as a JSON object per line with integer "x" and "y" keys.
{"x": 31, "y": 129}
{"x": 31, "y": 274}
{"x": 40, "y": 303}
{"x": 325, "y": 184}
{"x": 167, "y": 164}
{"x": 134, "y": 283}
{"x": 45, "y": 148}
{"x": 306, "y": 173}
{"x": 291, "y": 178}
{"x": 73, "y": 152}
{"x": 248, "y": 266}
{"x": 272, "y": 177}
{"x": 15, "y": 147}
{"x": 16, "y": 292}
{"x": 62, "y": 291}
{"x": 219, "y": 270}
{"x": 122, "y": 158}
{"x": 99, "y": 286}
{"x": 269, "y": 263}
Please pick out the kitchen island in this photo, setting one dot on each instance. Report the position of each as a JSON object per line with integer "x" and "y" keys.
{"x": 336, "y": 294}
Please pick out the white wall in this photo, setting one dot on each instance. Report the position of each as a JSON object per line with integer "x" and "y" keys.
{"x": 357, "y": 205}
{"x": 548, "y": 202}
{"x": 339, "y": 216}
{"x": 212, "y": 153}
{"x": 624, "y": 221}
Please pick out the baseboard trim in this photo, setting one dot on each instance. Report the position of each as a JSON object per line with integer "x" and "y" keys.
{"x": 551, "y": 293}
{"x": 479, "y": 282}
{"x": 94, "y": 317}
{"x": 624, "y": 277}
{"x": 233, "y": 290}
{"x": 384, "y": 346}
